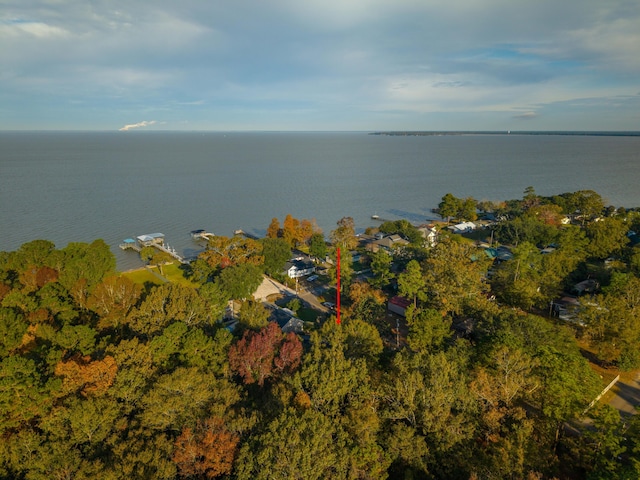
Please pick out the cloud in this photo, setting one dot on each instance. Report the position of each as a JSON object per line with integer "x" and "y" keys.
{"x": 526, "y": 116}
{"x": 144, "y": 123}
{"x": 316, "y": 62}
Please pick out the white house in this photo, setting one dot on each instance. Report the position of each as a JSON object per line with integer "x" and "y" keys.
{"x": 299, "y": 267}
{"x": 430, "y": 234}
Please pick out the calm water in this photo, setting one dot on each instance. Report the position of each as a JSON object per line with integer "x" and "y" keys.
{"x": 81, "y": 186}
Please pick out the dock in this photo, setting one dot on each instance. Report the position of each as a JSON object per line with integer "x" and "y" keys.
{"x": 155, "y": 240}
{"x": 242, "y": 233}
{"x": 130, "y": 244}
{"x": 201, "y": 235}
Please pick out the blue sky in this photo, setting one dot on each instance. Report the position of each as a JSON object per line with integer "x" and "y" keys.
{"x": 320, "y": 65}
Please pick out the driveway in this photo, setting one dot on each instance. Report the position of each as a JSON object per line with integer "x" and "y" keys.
{"x": 271, "y": 287}
{"x": 626, "y": 396}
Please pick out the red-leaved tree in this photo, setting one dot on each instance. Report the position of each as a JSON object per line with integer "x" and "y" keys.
{"x": 265, "y": 354}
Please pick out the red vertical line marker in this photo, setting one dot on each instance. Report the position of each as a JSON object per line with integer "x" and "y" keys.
{"x": 338, "y": 286}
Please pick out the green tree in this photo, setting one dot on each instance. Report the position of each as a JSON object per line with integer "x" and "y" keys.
{"x": 12, "y": 330}
{"x": 276, "y": 253}
{"x": 428, "y": 329}
{"x": 346, "y": 269}
{"x": 530, "y": 199}
{"x": 411, "y": 283}
{"x": 23, "y": 393}
{"x": 612, "y": 322}
{"x": 91, "y": 262}
{"x": 449, "y": 207}
{"x": 403, "y": 228}
{"x": 240, "y": 281}
{"x": 318, "y": 246}
{"x": 155, "y": 257}
{"x": 588, "y": 204}
{"x": 253, "y": 315}
{"x": 295, "y": 445}
{"x": 468, "y": 209}
{"x": 454, "y": 274}
{"x": 607, "y": 237}
{"x": 168, "y": 303}
{"x": 216, "y": 300}
{"x": 362, "y": 341}
{"x": 381, "y": 268}
{"x": 178, "y": 399}
{"x": 345, "y": 235}
{"x": 223, "y": 252}
{"x": 518, "y": 281}
{"x": 367, "y": 303}
{"x": 113, "y": 299}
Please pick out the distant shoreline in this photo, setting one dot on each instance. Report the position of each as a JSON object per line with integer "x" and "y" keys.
{"x": 508, "y": 132}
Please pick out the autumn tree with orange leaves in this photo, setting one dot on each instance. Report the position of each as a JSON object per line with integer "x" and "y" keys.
{"x": 89, "y": 378}
{"x": 206, "y": 451}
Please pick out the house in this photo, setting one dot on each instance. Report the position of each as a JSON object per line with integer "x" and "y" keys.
{"x": 287, "y": 320}
{"x": 398, "y": 305}
{"x": 389, "y": 244}
{"x": 586, "y": 286}
{"x": 464, "y": 227}
{"x": 430, "y": 234}
{"x": 299, "y": 267}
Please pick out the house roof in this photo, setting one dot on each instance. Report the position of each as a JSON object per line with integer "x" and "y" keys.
{"x": 400, "y": 301}
{"x": 298, "y": 265}
{"x": 149, "y": 237}
{"x": 463, "y": 227}
{"x": 391, "y": 240}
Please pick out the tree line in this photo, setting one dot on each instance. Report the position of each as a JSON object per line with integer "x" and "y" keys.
{"x": 104, "y": 378}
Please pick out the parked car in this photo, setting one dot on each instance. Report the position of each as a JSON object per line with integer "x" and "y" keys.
{"x": 312, "y": 278}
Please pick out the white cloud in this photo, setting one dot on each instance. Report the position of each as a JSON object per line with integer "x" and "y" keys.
{"x": 330, "y": 58}
{"x": 38, "y": 30}
{"x": 144, "y": 123}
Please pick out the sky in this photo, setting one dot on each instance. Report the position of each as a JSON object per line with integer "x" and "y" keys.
{"x": 329, "y": 65}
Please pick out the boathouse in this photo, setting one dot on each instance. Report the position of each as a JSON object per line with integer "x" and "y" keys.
{"x": 150, "y": 239}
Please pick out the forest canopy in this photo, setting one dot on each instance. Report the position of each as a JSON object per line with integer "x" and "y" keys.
{"x": 105, "y": 377}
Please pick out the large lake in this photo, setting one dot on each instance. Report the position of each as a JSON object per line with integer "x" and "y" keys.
{"x": 79, "y": 186}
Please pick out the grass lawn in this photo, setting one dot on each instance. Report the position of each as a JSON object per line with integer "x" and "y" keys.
{"x": 142, "y": 276}
{"x": 172, "y": 272}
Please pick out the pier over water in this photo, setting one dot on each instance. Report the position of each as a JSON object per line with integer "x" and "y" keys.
{"x": 155, "y": 240}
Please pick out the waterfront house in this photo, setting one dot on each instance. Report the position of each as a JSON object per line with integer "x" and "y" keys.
{"x": 299, "y": 267}
{"x": 430, "y": 235}
{"x": 389, "y": 244}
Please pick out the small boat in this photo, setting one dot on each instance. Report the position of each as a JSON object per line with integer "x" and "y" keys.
{"x": 375, "y": 216}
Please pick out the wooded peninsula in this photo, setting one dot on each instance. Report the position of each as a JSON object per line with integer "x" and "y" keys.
{"x": 474, "y": 347}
